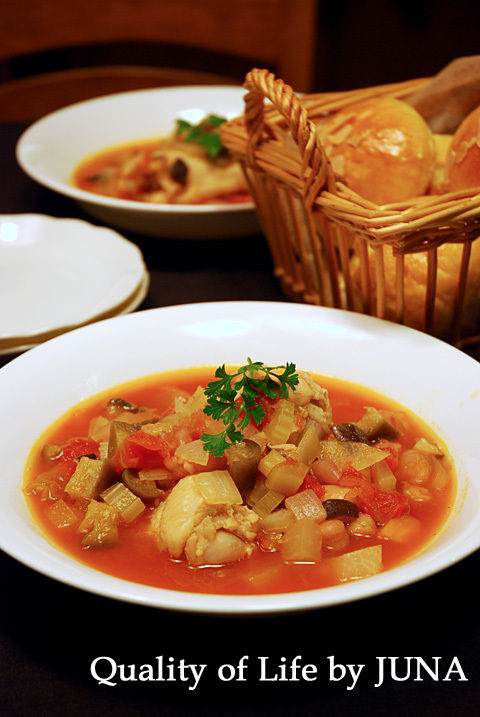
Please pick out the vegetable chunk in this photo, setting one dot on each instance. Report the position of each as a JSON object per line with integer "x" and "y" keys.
{"x": 99, "y": 526}
{"x": 360, "y": 564}
{"x": 91, "y": 477}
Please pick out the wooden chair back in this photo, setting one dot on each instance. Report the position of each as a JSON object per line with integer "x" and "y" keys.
{"x": 62, "y": 52}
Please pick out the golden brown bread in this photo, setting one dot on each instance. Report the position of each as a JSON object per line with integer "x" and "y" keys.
{"x": 442, "y": 147}
{"x": 463, "y": 160}
{"x": 415, "y": 271}
{"x": 382, "y": 149}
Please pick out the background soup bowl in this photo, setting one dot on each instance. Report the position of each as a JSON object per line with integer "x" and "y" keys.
{"x": 51, "y": 148}
{"x": 437, "y": 382}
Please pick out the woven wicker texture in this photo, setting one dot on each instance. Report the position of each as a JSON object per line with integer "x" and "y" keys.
{"x": 332, "y": 247}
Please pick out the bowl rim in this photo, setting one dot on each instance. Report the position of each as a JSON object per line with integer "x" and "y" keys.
{"x": 81, "y": 195}
{"x": 78, "y": 575}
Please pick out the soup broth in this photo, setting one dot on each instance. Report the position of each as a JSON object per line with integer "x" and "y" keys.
{"x": 393, "y": 508}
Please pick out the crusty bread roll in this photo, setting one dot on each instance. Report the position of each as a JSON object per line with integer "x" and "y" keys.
{"x": 442, "y": 147}
{"x": 382, "y": 149}
{"x": 463, "y": 160}
{"x": 415, "y": 270}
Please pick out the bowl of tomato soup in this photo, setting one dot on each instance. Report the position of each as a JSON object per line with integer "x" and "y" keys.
{"x": 341, "y": 484}
{"x": 132, "y": 160}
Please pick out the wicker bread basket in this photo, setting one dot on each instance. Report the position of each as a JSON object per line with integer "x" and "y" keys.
{"x": 329, "y": 245}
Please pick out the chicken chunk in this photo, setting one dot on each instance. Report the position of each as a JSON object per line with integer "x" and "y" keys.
{"x": 223, "y": 538}
{"x": 204, "y": 516}
{"x": 314, "y": 399}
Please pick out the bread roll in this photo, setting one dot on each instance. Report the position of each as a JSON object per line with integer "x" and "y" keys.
{"x": 415, "y": 270}
{"x": 463, "y": 161}
{"x": 382, "y": 149}
{"x": 442, "y": 147}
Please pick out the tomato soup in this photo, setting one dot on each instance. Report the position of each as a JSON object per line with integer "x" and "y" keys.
{"x": 344, "y": 484}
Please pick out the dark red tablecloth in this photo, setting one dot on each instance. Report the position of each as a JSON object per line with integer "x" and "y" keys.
{"x": 50, "y": 633}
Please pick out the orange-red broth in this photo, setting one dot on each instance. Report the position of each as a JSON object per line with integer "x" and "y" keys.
{"x": 137, "y": 558}
{"x": 87, "y": 175}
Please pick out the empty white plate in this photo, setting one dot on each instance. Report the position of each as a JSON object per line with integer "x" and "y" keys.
{"x": 57, "y": 274}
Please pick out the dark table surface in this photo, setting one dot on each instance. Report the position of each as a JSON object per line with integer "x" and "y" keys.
{"x": 50, "y": 633}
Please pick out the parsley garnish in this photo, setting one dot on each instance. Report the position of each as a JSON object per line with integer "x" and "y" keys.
{"x": 233, "y": 399}
{"x": 205, "y": 134}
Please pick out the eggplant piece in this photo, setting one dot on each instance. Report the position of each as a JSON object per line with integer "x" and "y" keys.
{"x": 242, "y": 461}
{"x": 179, "y": 172}
{"x": 349, "y": 432}
{"x": 375, "y": 426}
{"x": 144, "y": 489}
{"x": 99, "y": 526}
{"x": 91, "y": 477}
{"x": 340, "y": 508}
{"x": 117, "y": 405}
{"x": 119, "y": 430}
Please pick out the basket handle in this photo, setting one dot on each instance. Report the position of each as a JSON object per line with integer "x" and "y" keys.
{"x": 263, "y": 84}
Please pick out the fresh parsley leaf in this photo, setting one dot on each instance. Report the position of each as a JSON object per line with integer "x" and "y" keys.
{"x": 233, "y": 399}
{"x": 204, "y": 133}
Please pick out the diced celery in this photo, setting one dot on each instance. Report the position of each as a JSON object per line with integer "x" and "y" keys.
{"x": 267, "y": 503}
{"x": 91, "y": 477}
{"x": 282, "y": 422}
{"x": 127, "y": 503}
{"x": 257, "y": 492}
{"x": 272, "y": 459}
{"x": 286, "y": 477}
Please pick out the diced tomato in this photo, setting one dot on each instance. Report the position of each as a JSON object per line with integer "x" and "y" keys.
{"x": 382, "y": 505}
{"x": 196, "y": 424}
{"x": 312, "y": 483}
{"x": 76, "y": 447}
{"x": 351, "y": 478}
{"x": 393, "y": 450}
{"x": 69, "y": 451}
{"x": 141, "y": 450}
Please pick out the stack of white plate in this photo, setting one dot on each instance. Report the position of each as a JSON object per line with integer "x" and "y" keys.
{"x": 59, "y": 274}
